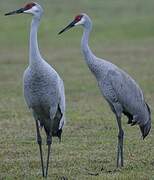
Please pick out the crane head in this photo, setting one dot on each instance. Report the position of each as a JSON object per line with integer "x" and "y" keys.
{"x": 78, "y": 20}
{"x": 30, "y": 8}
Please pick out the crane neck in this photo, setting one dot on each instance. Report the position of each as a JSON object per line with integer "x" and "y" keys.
{"x": 34, "y": 53}
{"x": 88, "y": 54}
{"x": 92, "y": 61}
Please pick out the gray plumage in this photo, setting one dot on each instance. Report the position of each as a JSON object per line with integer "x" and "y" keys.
{"x": 44, "y": 94}
{"x": 121, "y": 92}
{"x": 43, "y": 87}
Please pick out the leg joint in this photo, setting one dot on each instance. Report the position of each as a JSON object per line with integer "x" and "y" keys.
{"x": 49, "y": 140}
{"x": 121, "y": 134}
{"x": 39, "y": 140}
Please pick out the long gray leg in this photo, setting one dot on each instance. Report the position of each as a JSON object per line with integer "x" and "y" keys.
{"x": 39, "y": 141}
{"x": 49, "y": 141}
{"x": 120, "y": 143}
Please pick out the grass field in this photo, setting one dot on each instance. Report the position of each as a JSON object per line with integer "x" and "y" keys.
{"x": 123, "y": 32}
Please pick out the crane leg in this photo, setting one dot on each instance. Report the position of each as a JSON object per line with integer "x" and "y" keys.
{"x": 120, "y": 144}
{"x": 49, "y": 141}
{"x": 39, "y": 141}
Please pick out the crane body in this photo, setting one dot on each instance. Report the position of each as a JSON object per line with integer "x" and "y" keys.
{"x": 40, "y": 95}
{"x": 121, "y": 91}
{"x": 43, "y": 87}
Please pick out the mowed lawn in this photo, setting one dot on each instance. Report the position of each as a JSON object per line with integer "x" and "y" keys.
{"x": 123, "y": 33}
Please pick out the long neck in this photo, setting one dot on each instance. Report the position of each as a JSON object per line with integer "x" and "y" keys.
{"x": 96, "y": 65}
{"x": 88, "y": 55}
{"x": 34, "y": 53}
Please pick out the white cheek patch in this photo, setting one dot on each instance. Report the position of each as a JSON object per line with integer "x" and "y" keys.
{"x": 34, "y": 9}
{"x": 29, "y": 11}
{"x": 80, "y": 22}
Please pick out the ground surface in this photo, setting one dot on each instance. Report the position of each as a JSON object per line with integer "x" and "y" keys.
{"x": 124, "y": 34}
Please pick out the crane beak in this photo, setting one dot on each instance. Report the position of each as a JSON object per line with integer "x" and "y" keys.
{"x": 19, "y": 11}
{"x": 72, "y": 24}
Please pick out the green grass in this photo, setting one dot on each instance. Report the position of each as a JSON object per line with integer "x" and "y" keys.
{"x": 123, "y": 32}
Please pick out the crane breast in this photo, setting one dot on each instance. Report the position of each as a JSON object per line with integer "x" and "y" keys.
{"x": 40, "y": 88}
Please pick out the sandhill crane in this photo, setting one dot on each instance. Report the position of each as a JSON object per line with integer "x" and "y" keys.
{"x": 121, "y": 92}
{"x": 43, "y": 87}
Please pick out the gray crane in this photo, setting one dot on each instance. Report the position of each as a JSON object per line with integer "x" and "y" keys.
{"x": 121, "y": 92}
{"x": 43, "y": 87}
